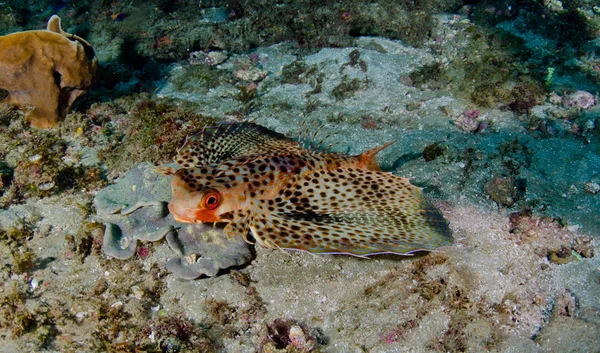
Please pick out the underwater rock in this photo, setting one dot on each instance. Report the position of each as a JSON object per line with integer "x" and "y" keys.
{"x": 469, "y": 121}
{"x": 579, "y": 99}
{"x": 135, "y": 208}
{"x": 591, "y": 187}
{"x": 251, "y": 74}
{"x": 503, "y": 191}
{"x": 212, "y": 58}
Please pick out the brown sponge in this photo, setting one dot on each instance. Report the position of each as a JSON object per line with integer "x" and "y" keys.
{"x": 47, "y": 70}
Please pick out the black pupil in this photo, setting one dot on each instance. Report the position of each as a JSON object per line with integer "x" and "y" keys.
{"x": 211, "y": 200}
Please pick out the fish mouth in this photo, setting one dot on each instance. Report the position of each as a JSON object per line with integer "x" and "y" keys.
{"x": 186, "y": 220}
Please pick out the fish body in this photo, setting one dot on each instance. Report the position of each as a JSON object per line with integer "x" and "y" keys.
{"x": 120, "y": 16}
{"x": 238, "y": 180}
{"x": 289, "y": 197}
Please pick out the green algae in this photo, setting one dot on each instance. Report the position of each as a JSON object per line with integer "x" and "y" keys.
{"x": 15, "y": 316}
{"x": 199, "y": 78}
{"x": 346, "y": 88}
{"x": 431, "y": 74}
{"x": 298, "y": 72}
{"x": 245, "y": 95}
{"x": 433, "y": 151}
{"x": 154, "y": 130}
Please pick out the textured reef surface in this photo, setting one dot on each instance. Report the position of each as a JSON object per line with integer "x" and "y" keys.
{"x": 494, "y": 106}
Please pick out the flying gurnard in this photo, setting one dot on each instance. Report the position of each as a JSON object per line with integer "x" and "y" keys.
{"x": 291, "y": 196}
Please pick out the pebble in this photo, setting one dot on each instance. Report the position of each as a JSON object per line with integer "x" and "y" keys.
{"x": 591, "y": 187}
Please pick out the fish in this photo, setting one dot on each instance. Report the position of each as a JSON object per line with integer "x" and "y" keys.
{"x": 288, "y": 194}
{"x": 120, "y": 16}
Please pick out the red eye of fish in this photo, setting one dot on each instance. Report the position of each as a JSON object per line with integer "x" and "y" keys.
{"x": 210, "y": 200}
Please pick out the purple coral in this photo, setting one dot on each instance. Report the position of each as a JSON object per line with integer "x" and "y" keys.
{"x": 255, "y": 57}
{"x": 472, "y": 113}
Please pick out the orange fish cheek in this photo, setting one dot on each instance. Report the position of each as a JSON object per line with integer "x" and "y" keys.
{"x": 206, "y": 216}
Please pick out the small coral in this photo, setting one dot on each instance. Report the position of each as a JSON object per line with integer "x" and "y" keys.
{"x": 430, "y": 76}
{"x": 82, "y": 244}
{"x": 489, "y": 94}
{"x": 298, "y": 72}
{"x": 173, "y": 334}
{"x": 549, "y": 238}
{"x": 156, "y": 130}
{"x": 23, "y": 260}
{"x": 212, "y": 58}
{"x": 584, "y": 246}
{"x": 13, "y": 313}
{"x": 246, "y": 93}
{"x": 469, "y": 121}
{"x": 38, "y": 173}
{"x": 502, "y": 190}
{"x": 197, "y": 78}
{"x": 221, "y": 312}
{"x": 16, "y": 235}
{"x": 250, "y": 74}
{"x": 284, "y": 333}
{"x": 579, "y": 99}
{"x": 355, "y": 61}
{"x": 561, "y": 256}
{"x": 591, "y": 187}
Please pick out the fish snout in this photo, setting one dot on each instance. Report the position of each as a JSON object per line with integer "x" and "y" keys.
{"x": 179, "y": 213}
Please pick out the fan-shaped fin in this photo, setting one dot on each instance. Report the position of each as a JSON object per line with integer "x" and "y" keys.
{"x": 226, "y": 141}
{"x": 352, "y": 211}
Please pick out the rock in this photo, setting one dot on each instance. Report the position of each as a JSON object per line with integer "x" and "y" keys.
{"x": 579, "y": 99}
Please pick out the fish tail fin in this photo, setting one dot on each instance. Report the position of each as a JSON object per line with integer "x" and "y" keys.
{"x": 367, "y": 159}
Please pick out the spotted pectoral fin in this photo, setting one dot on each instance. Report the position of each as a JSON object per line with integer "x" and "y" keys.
{"x": 225, "y": 141}
{"x": 165, "y": 170}
{"x": 352, "y": 211}
{"x": 239, "y": 225}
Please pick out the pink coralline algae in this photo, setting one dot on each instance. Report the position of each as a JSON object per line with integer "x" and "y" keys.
{"x": 469, "y": 121}
{"x": 389, "y": 337}
{"x": 255, "y": 57}
{"x": 143, "y": 252}
{"x": 251, "y": 87}
{"x": 579, "y": 99}
{"x": 472, "y": 113}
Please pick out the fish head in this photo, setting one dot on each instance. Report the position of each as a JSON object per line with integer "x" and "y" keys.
{"x": 210, "y": 193}
{"x": 198, "y": 196}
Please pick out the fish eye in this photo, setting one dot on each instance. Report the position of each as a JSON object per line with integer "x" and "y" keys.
{"x": 210, "y": 200}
